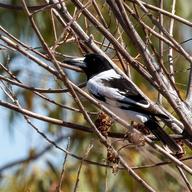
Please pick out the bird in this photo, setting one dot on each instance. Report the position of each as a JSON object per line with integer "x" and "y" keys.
{"x": 120, "y": 95}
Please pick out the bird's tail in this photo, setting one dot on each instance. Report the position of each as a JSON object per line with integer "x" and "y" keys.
{"x": 154, "y": 127}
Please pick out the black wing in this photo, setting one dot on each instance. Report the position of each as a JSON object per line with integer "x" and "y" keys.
{"x": 131, "y": 99}
{"x": 126, "y": 89}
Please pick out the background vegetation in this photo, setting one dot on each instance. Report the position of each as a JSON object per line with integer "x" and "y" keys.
{"x": 46, "y": 97}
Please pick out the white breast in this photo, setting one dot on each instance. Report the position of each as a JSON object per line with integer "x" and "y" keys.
{"x": 127, "y": 115}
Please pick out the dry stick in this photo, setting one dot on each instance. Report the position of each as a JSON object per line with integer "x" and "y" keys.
{"x": 59, "y": 187}
{"x": 154, "y": 8}
{"x": 35, "y": 9}
{"x": 32, "y": 57}
{"x": 159, "y": 36}
{"x": 102, "y": 44}
{"x": 170, "y": 54}
{"x": 44, "y": 44}
{"x": 124, "y": 17}
{"x": 152, "y": 31}
{"x": 84, "y": 37}
{"x": 80, "y": 167}
{"x": 185, "y": 178}
{"x": 38, "y": 91}
{"x": 7, "y": 91}
{"x": 183, "y": 110}
{"x": 125, "y": 66}
{"x": 46, "y": 138}
{"x": 159, "y": 164}
{"x": 40, "y": 153}
{"x": 66, "y": 29}
{"x": 69, "y": 124}
{"x": 15, "y": 100}
{"x": 99, "y": 14}
{"x": 171, "y": 68}
{"x": 28, "y": 48}
{"x": 54, "y": 25}
{"x": 61, "y": 73}
{"x": 160, "y": 98}
{"x": 21, "y": 43}
{"x": 36, "y": 156}
{"x": 155, "y": 22}
{"x": 45, "y": 118}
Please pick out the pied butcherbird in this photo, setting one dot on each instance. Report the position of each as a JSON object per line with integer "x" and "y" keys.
{"x": 120, "y": 96}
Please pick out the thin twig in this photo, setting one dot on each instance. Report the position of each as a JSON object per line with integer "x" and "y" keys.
{"x": 185, "y": 178}
{"x": 154, "y": 8}
{"x": 63, "y": 169}
{"x": 170, "y": 54}
{"x": 80, "y": 166}
{"x": 34, "y": 157}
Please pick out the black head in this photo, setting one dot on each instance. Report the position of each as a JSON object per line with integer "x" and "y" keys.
{"x": 95, "y": 64}
{"x": 92, "y": 64}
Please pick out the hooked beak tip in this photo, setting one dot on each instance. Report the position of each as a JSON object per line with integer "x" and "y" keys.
{"x": 79, "y": 62}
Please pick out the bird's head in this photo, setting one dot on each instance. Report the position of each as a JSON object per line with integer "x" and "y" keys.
{"x": 92, "y": 64}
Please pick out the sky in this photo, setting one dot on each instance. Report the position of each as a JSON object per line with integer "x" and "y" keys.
{"x": 12, "y": 145}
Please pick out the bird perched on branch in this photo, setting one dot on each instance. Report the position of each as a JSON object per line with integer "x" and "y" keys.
{"x": 120, "y": 96}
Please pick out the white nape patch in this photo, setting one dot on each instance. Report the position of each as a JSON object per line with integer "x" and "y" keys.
{"x": 107, "y": 75}
{"x": 95, "y": 85}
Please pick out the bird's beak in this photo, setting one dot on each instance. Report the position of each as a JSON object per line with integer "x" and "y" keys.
{"x": 79, "y": 62}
